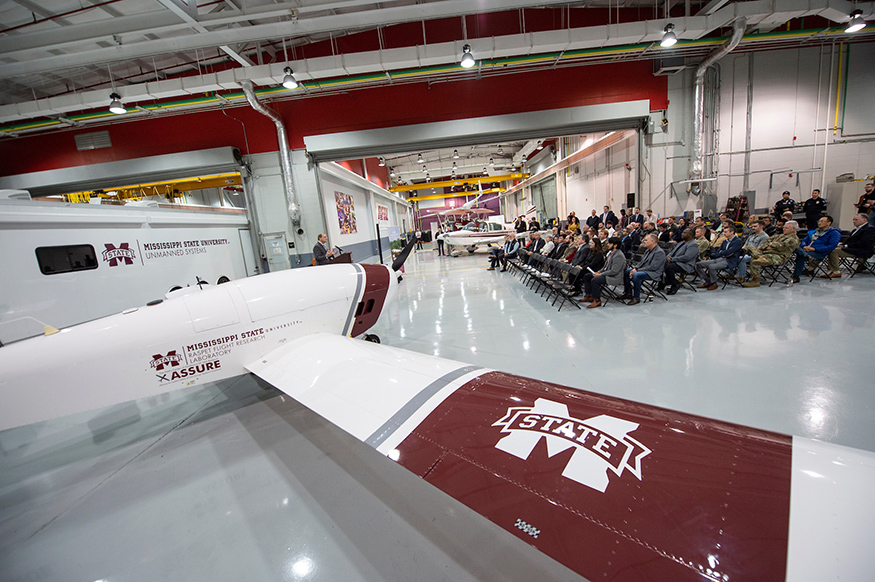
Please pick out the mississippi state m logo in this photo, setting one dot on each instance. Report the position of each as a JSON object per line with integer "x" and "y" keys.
{"x": 601, "y": 443}
{"x": 113, "y": 255}
{"x": 171, "y": 359}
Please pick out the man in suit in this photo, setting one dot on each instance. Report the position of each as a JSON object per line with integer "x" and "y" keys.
{"x": 536, "y": 245}
{"x": 561, "y": 245}
{"x": 608, "y": 217}
{"x": 650, "y": 267}
{"x": 636, "y": 216}
{"x": 593, "y": 220}
{"x": 858, "y": 246}
{"x": 321, "y": 254}
{"x": 725, "y": 256}
{"x": 681, "y": 259}
{"x": 635, "y": 235}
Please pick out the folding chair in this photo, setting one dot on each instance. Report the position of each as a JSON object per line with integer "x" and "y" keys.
{"x": 612, "y": 292}
{"x": 821, "y": 267}
{"x": 650, "y": 287}
{"x": 782, "y": 272}
{"x": 851, "y": 264}
{"x": 564, "y": 289}
{"x": 686, "y": 280}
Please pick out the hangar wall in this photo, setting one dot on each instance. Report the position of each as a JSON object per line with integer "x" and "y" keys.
{"x": 793, "y": 112}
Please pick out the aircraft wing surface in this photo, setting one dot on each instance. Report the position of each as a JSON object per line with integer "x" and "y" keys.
{"x": 613, "y": 489}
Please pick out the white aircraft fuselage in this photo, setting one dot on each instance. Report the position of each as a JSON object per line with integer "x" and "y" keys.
{"x": 196, "y": 337}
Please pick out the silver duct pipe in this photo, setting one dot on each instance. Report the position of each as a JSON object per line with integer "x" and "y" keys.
{"x": 699, "y": 95}
{"x": 285, "y": 153}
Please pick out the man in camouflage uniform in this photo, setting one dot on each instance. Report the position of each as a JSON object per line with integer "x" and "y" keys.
{"x": 774, "y": 251}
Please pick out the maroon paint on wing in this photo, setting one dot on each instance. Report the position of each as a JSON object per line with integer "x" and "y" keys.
{"x": 713, "y": 502}
{"x": 376, "y": 286}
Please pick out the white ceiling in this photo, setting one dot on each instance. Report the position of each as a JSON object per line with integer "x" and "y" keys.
{"x": 60, "y": 57}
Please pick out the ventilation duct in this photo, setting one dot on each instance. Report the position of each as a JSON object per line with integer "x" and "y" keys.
{"x": 699, "y": 95}
{"x": 285, "y": 153}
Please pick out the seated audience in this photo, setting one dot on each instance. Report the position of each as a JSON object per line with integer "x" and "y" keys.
{"x": 723, "y": 257}
{"x": 650, "y": 267}
{"x": 753, "y": 241}
{"x": 769, "y": 228}
{"x": 702, "y": 242}
{"x": 610, "y": 274}
{"x": 858, "y": 246}
{"x": 501, "y": 254}
{"x": 681, "y": 259}
{"x": 817, "y": 244}
{"x": 664, "y": 233}
{"x": 679, "y": 231}
{"x": 775, "y": 251}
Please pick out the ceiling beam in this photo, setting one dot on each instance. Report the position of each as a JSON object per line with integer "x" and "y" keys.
{"x": 460, "y": 182}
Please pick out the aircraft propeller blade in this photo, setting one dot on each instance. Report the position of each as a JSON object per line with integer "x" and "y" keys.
{"x": 399, "y": 262}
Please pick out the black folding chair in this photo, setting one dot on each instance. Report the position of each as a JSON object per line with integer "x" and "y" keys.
{"x": 564, "y": 289}
{"x": 782, "y": 272}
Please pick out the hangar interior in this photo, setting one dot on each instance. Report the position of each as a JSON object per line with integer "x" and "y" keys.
{"x": 570, "y": 106}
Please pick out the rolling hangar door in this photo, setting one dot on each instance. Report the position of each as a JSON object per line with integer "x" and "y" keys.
{"x": 478, "y": 130}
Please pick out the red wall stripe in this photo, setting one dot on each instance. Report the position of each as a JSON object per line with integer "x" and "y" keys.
{"x": 362, "y": 109}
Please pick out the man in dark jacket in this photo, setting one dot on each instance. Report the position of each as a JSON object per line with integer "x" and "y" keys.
{"x": 725, "y": 256}
{"x": 784, "y": 204}
{"x": 859, "y": 246}
{"x": 813, "y": 208}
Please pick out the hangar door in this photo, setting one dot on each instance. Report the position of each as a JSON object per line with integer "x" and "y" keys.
{"x": 544, "y": 199}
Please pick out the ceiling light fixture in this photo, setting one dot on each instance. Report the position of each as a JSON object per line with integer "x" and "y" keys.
{"x": 485, "y": 172}
{"x": 467, "y": 58}
{"x": 856, "y": 22}
{"x": 392, "y": 172}
{"x": 382, "y": 162}
{"x": 668, "y": 37}
{"x": 455, "y": 154}
{"x": 419, "y": 159}
{"x": 540, "y": 145}
{"x": 491, "y": 162}
{"x": 115, "y": 106}
{"x": 500, "y": 151}
{"x": 289, "y": 81}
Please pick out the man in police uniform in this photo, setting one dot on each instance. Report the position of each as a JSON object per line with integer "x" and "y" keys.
{"x": 813, "y": 208}
{"x": 774, "y": 251}
{"x": 784, "y": 204}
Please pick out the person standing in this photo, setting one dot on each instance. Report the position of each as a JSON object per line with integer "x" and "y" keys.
{"x": 440, "y": 241}
{"x": 813, "y": 208}
{"x": 321, "y": 254}
{"x": 784, "y": 204}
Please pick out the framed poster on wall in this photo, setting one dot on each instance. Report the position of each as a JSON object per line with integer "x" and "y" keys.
{"x": 345, "y": 213}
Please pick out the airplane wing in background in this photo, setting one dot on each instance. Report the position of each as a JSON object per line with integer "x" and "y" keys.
{"x": 612, "y": 489}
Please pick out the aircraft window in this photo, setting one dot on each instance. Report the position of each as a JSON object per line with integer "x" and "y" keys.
{"x": 56, "y": 260}
{"x": 370, "y": 306}
{"x": 360, "y": 308}
{"x": 223, "y": 279}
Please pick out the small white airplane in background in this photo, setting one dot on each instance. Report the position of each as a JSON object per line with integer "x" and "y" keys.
{"x": 612, "y": 489}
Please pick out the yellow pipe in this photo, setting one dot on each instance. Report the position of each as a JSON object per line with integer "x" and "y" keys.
{"x": 835, "y": 124}
{"x": 455, "y": 194}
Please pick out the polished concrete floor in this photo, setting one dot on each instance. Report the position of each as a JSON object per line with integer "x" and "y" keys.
{"x": 234, "y": 481}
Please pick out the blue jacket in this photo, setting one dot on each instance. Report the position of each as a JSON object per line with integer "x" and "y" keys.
{"x": 729, "y": 250}
{"x": 825, "y": 243}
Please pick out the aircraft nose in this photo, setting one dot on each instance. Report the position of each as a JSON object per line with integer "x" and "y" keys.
{"x": 377, "y": 286}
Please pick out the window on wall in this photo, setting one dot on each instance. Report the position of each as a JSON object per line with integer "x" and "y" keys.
{"x": 544, "y": 199}
{"x": 65, "y": 259}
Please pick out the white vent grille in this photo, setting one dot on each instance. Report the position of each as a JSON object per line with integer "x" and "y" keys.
{"x": 92, "y": 141}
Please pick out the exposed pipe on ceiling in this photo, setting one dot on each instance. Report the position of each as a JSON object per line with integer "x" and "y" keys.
{"x": 699, "y": 95}
{"x": 284, "y": 151}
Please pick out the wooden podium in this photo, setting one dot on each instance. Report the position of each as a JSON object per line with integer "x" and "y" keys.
{"x": 341, "y": 258}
